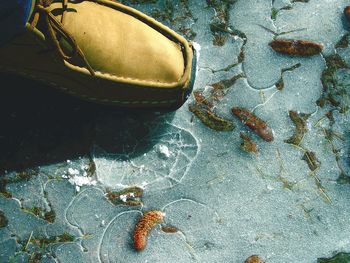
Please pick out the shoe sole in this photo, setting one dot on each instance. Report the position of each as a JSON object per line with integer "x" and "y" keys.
{"x": 193, "y": 74}
{"x": 175, "y": 107}
{"x": 190, "y": 86}
{"x": 170, "y": 108}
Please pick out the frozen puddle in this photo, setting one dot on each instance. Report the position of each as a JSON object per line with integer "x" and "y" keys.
{"x": 165, "y": 165}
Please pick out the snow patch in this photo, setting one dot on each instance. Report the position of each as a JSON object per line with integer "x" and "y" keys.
{"x": 164, "y": 151}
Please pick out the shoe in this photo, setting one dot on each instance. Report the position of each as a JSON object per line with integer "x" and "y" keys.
{"x": 104, "y": 52}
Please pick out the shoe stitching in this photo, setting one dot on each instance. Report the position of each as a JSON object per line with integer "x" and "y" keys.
{"x": 152, "y": 89}
{"x": 56, "y": 31}
{"x": 91, "y": 98}
{"x": 56, "y": 28}
{"x": 123, "y": 78}
{"x": 143, "y": 81}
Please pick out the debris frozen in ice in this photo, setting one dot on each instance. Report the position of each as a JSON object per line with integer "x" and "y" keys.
{"x": 163, "y": 151}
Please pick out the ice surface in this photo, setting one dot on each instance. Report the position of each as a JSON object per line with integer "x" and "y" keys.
{"x": 62, "y": 159}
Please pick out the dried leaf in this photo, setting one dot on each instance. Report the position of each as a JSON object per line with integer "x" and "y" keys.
{"x": 248, "y": 145}
{"x": 218, "y": 88}
{"x": 3, "y": 220}
{"x": 300, "y": 122}
{"x": 343, "y": 42}
{"x": 201, "y": 100}
{"x": 338, "y": 258}
{"x": 211, "y": 120}
{"x": 311, "y": 160}
{"x": 130, "y": 196}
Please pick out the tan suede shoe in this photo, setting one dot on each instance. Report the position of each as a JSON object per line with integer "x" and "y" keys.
{"x": 104, "y": 52}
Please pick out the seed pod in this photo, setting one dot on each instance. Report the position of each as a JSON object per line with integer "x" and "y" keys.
{"x": 254, "y": 259}
{"x": 347, "y": 13}
{"x": 253, "y": 122}
{"x": 149, "y": 220}
{"x": 296, "y": 47}
{"x": 169, "y": 229}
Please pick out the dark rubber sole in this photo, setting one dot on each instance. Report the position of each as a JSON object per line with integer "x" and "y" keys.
{"x": 190, "y": 86}
{"x": 193, "y": 75}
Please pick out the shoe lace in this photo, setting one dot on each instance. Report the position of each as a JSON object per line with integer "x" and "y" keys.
{"x": 56, "y": 31}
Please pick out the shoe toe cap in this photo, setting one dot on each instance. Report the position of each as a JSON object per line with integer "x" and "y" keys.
{"x": 120, "y": 44}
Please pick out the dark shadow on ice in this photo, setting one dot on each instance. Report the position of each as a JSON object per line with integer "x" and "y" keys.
{"x": 40, "y": 126}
